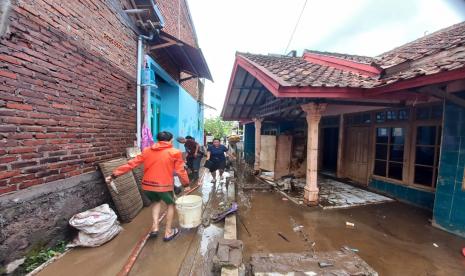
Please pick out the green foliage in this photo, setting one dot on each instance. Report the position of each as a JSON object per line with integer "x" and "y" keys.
{"x": 37, "y": 257}
{"x": 217, "y": 127}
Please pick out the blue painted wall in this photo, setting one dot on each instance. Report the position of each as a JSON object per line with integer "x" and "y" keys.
{"x": 180, "y": 113}
{"x": 419, "y": 198}
{"x": 449, "y": 206}
{"x": 190, "y": 116}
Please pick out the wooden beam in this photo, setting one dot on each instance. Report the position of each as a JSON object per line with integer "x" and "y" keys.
{"x": 284, "y": 106}
{"x": 362, "y": 103}
{"x": 442, "y": 93}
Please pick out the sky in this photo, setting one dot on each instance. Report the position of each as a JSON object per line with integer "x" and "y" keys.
{"x": 363, "y": 27}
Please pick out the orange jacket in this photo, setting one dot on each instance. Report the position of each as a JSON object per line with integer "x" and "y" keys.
{"x": 160, "y": 161}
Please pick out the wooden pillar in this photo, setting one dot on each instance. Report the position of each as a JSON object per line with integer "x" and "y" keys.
{"x": 258, "y": 142}
{"x": 314, "y": 112}
{"x": 340, "y": 148}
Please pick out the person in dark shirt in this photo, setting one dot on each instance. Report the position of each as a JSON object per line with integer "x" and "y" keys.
{"x": 193, "y": 156}
{"x": 217, "y": 158}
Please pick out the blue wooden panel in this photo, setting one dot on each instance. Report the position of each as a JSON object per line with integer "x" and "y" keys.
{"x": 449, "y": 206}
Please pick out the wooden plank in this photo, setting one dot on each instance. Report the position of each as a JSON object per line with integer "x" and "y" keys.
{"x": 267, "y": 152}
{"x": 283, "y": 156}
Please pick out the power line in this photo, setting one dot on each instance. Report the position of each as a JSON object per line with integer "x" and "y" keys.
{"x": 295, "y": 27}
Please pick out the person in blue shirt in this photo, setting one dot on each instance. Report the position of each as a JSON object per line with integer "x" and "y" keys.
{"x": 216, "y": 156}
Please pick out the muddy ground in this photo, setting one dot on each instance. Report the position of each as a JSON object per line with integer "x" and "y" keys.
{"x": 189, "y": 254}
{"x": 393, "y": 238}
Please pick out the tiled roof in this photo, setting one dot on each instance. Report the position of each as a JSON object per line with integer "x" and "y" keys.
{"x": 431, "y": 44}
{"x": 355, "y": 58}
{"x": 443, "y": 50}
{"x": 295, "y": 71}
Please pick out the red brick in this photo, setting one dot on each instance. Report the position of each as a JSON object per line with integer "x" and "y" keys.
{"x": 47, "y": 148}
{"x": 8, "y": 189}
{"x": 45, "y": 135}
{"x": 19, "y": 106}
{"x": 29, "y": 183}
{"x": 20, "y": 136}
{"x": 4, "y": 128}
{"x": 9, "y": 159}
{"x": 8, "y": 74}
{"x": 55, "y": 177}
{"x": 46, "y": 173}
{"x": 21, "y": 178}
{"x": 28, "y": 156}
{"x": 34, "y": 142}
{"x": 18, "y": 121}
{"x": 34, "y": 169}
{"x": 21, "y": 150}
{"x": 23, "y": 164}
{"x": 8, "y": 174}
{"x": 49, "y": 160}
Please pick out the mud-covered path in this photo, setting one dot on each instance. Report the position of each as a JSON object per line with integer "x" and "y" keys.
{"x": 191, "y": 251}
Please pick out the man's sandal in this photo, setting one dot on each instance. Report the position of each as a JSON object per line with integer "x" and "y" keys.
{"x": 172, "y": 236}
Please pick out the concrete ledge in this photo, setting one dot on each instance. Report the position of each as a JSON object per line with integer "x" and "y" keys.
{"x": 230, "y": 229}
{"x": 34, "y": 192}
{"x": 39, "y": 216}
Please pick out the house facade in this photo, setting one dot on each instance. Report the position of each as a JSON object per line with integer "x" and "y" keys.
{"x": 392, "y": 123}
{"x": 68, "y": 101}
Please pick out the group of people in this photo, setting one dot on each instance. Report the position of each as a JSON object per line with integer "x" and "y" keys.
{"x": 162, "y": 162}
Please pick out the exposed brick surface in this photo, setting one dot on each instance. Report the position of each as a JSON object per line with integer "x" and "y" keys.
{"x": 67, "y": 90}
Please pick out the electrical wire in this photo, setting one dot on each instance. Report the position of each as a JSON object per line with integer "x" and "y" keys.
{"x": 295, "y": 27}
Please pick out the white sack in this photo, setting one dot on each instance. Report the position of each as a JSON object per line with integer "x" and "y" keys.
{"x": 96, "y": 226}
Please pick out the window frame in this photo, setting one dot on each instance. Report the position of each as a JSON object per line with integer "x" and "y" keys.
{"x": 437, "y": 151}
{"x": 388, "y": 144}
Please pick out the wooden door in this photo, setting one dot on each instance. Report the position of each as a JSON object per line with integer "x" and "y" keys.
{"x": 357, "y": 148}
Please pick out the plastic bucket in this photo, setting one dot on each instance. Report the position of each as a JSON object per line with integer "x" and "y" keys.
{"x": 189, "y": 211}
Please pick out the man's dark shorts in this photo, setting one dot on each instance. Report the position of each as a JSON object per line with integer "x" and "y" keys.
{"x": 167, "y": 197}
{"x": 217, "y": 165}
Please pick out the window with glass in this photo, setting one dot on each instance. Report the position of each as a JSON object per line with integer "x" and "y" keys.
{"x": 389, "y": 152}
{"x": 427, "y": 147}
{"x": 358, "y": 119}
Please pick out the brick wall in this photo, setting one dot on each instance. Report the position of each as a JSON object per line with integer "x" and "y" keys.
{"x": 67, "y": 90}
{"x": 178, "y": 23}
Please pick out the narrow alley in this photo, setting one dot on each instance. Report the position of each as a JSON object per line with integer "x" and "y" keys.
{"x": 190, "y": 254}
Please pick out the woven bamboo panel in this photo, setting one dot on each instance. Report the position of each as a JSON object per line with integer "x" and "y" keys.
{"x": 128, "y": 201}
{"x": 138, "y": 174}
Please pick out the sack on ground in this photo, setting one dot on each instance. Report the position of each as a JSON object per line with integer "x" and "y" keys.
{"x": 96, "y": 226}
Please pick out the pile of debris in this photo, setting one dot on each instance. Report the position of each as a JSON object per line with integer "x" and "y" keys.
{"x": 340, "y": 262}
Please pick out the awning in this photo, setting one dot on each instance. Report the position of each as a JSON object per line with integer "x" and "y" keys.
{"x": 189, "y": 59}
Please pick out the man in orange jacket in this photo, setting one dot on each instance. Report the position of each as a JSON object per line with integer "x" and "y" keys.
{"x": 160, "y": 161}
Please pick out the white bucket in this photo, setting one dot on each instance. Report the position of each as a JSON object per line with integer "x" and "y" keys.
{"x": 189, "y": 211}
